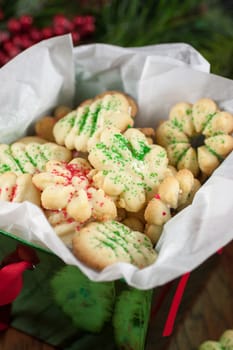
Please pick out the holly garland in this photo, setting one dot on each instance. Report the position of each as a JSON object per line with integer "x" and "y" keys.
{"x": 22, "y": 32}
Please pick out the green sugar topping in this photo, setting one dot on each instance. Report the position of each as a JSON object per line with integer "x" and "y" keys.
{"x": 86, "y": 120}
{"x": 33, "y": 156}
{"x": 123, "y": 143}
{"x": 4, "y": 168}
{"x": 82, "y": 121}
{"x": 117, "y": 235}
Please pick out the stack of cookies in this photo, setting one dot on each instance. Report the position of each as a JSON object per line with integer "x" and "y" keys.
{"x": 108, "y": 188}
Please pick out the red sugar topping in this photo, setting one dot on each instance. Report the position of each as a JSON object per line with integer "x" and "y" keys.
{"x": 157, "y": 196}
{"x": 164, "y": 213}
{"x": 74, "y": 171}
{"x": 14, "y": 188}
{"x": 89, "y": 195}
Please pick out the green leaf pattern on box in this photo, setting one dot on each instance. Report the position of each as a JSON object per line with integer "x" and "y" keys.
{"x": 89, "y": 304}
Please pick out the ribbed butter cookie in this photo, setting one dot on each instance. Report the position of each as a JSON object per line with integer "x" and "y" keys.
{"x": 30, "y": 157}
{"x": 99, "y": 245}
{"x": 80, "y": 128}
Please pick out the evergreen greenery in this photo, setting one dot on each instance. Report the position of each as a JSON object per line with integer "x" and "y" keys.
{"x": 206, "y": 25}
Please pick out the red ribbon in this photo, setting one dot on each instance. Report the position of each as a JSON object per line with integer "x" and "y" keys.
{"x": 168, "y": 328}
{"x": 11, "y": 279}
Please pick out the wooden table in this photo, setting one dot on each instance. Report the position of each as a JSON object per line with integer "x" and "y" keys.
{"x": 205, "y": 312}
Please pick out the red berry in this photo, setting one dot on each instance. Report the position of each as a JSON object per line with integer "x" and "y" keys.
{"x": 1, "y": 15}
{"x": 8, "y": 46}
{"x": 26, "y": 22}
{"x": 89, "y": 19}
{"x": 3, "y": 58}
{"x": 17, "y": 40}
{"x": 14, "y": 51}
{"x": 59, "y": 20}
{"x": 14, "y": 25}
{"x": 36, "y": 35}
{"x": 88, "y": 29}
{"x": 62, "y": 21}
{"x": 4, "y": 36}
{"x": 78, "y": 21}
{"x": 47, "y": 33}
{"x": 58, "y": 30}
{"x": 26, "y": 41}
{"x": 75, "y": 37}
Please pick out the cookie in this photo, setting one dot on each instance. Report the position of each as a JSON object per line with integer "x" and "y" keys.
{"x": 44, "y": 126}
{"x": 131, "y": 101}
{"x": 149, "y": 133}
{"x": 128, "y": 167}
{"x": 197, "y": 137}
{"x": 18, "y": 188}
{"x": 134, "y": 220}
{"x": 99, "y": 245}
{"x": 174, "y": 193}
{"x": 70, "y": 186}
{"x": 63, "y": 224}
{"x": 30, "y": 139}
{"x": 30, "y": 157}
{"x": 210, "y": 345}
{"x": 226, "y": 339}
{"x": 80, "y": 128}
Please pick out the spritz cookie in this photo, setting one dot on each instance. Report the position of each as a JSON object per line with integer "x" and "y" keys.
{"x": 80, "y": 128}
{"x": 70, "y": 186}
{"x": 174, "y": 193}
{"x": 99, "y": 245}
{"x": 197, "y": 137}
{"x": 18, "y": 188}
{"x": 30, "y": 158}
{"x": 128, "y": 167}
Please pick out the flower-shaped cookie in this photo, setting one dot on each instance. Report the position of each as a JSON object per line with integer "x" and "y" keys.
{"x": 69, "y": 186}
{"x": 18, "y": 188}
{"x": 79, "y": 129}
{"x": 31, "y": 157}
{"x": 128, "y": 167}
{"x": 196, "y": 136}
{"x": 174, "y": 193}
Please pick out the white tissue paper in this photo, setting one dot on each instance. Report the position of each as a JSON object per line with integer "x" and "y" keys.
{"x": 157, "y": 76}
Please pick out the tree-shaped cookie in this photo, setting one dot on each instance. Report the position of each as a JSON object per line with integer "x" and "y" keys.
{"x": 79, "y": 129}
{"x": 196, "y": 136}
{"x": 128, "y": 167}
{"x": 69, "y": 186}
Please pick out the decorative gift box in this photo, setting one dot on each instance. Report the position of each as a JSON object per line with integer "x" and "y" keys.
{"x": 63, "y": 302}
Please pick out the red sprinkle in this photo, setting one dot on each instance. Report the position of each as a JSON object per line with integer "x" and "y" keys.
{"x": 89, "y": 195}
{"x": 157, "y": 196}
{"x": 14, "y": 188}
{"x": 164, "y": 213}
